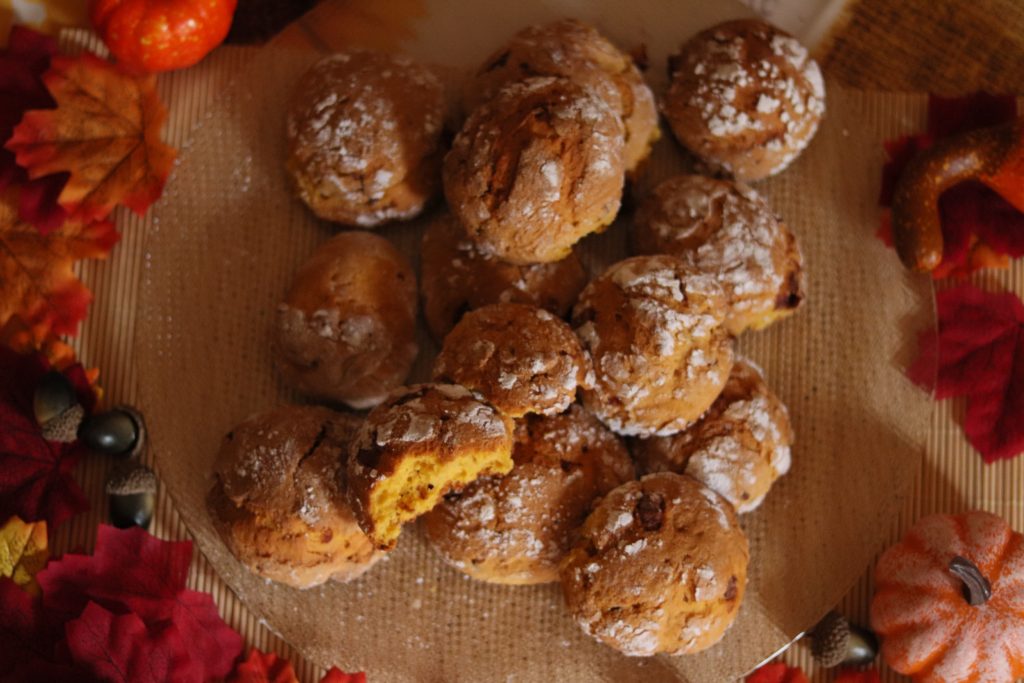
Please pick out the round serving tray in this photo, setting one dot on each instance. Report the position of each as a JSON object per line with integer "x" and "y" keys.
{"x": 226, "y": 238}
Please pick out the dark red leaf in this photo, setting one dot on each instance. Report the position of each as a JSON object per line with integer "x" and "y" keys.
{"x": 37, "y": 202}
{"x": 123, "y": 650}
{"x": 29, "y": 649}
{"x": 856, "y": 676}
{"x": 22, "y": 65}
{"x": 132, "y": 571}
{"x": 263, "y": 667}
{"x": 336, "y": 675}
{"x": 777, "y": 672}
{"x": 35, "y": 474}
{"x": 979, "y": 227}
{"x": 978, "y": 352}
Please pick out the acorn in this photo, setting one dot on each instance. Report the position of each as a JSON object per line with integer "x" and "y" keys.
{"x": 64, "y": 427}
{"x": 132, "y": 496}
{"x": 835, "y": 642}
{"x": 120, "y": 432}
{"x": 54, "y": 395}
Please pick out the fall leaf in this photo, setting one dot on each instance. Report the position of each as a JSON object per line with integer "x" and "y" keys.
{"x": 263, "y": 667}
{"x": 336, "y": 675}
{"x": 121, "y": 649}
{"x": 28, "y": 641}
{"x": 105, "y": 132}
{"x": 23, "y": 552}
{"x": 38, "y": 288}
{"x": 777, "y": 672}
{"x": 132, "y": 571}
{"x": 857, "y": 676}
{"x": 978, "y": 352}
{"x": 980, "y": 229}
{"x": 22, "y": 65}
{"x": 35, "y": 474}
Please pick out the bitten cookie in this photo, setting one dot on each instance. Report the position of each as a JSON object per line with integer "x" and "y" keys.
{"x": 277, "y": 500}
{"x": 424, "y": 441}
{"x": 661, "y": 353}
{"x": 457, "y": 277}
{"x": 346, "y": 331}
{"x": 515, "y": 529}
{"x": 728, "y": 231}
{"x": 364, "y": 137}
{"x": 520, "y": 358}
{"x": 573, "y": 49}
{"x": 661, "y": 567}
{"x": 738, "y": 449}
{"x": 535, "y": 169}
{"x": 745, "y": 97}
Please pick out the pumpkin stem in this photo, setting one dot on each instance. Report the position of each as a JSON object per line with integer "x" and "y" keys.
{"x": 977, "y": 590}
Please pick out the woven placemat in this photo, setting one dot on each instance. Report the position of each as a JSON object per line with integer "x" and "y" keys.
{"x": 941, "y": 46}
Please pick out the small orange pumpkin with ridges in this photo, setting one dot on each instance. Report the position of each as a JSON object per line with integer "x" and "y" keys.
{"x": 949, "y": 600}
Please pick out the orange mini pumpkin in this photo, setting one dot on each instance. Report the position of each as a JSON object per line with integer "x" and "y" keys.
{"x": 949, "y": 600}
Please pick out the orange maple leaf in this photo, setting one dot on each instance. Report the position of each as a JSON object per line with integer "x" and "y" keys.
{"x": 40, "y": 296}
{"x": 105, "y": 132}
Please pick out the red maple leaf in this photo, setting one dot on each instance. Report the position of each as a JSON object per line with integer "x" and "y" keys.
{"x": 35, "y": 474}
{"x": 336, "y": 675}
{"x": 777, "y": 672}
{"x": 119, "y": 648}
{"x": 857, "y": 676}
{"x": 978, "y": 352}
{"x": 263, "y": 667}
{"x": 29, "y": 641}
{"x": 22, "y": 65}
{"x": 980, "y": 229}
{"x": 132, "y": 571}
{"x": 267, "y": 667}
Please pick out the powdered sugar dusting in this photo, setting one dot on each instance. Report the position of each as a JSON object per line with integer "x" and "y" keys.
{"x": 343, "y": 130}
{"x": 752, "y": 85}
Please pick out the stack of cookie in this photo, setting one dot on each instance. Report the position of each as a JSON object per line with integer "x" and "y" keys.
{"x": 551, "y": 395}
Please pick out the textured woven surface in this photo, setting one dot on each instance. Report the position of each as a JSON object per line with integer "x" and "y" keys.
{"x": 941, "y": 46}
{"x": 950, "y": 478}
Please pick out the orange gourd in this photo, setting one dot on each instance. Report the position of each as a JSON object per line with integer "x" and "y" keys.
{"x": 150, "y": 36}
{"x": 949, "y": 600}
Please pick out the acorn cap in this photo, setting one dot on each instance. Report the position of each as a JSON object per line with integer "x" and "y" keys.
{"x": 64, "y": 427}
{"x": 139, "y": 447}
{"x": 829, "y": 640}
{"x": 131, "y": 480}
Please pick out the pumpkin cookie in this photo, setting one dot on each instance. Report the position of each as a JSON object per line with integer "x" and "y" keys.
{"x": 738, "y": 448}
{"x": 458, "y": 277}
{"x": 364, "y": 137}
{"x": 573, "y": 49}
{"x": 346, "y": 331}
{"x": 728, "y": 231}
{"x": 536, "y": 169}
{"x": 515, "y": 529}
{"x": 745, "y": 97}
{"x": 661, "y": 566}
{"x": 279, "y": 503}
{"x": 660, "y": 350}
{"x": 520, "y": 358}
{"x": 424, "y": 441}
